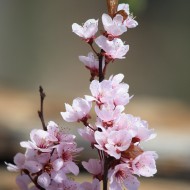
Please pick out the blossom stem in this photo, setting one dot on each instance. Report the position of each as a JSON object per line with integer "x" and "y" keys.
{"x": 100, "y": 57}
{"x": 35, "y": 183}
{"x": 112, "y": 7}
{"x": 105, "y": 177}
{"x": 40, "y": 112}
{"x": 93, "y": 49}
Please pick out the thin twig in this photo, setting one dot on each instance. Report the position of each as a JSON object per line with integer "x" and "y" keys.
{"x": 93, "y": 49}
{"x": 40, "y": 112}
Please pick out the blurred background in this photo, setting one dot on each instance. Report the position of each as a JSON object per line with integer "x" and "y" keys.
{"x": 37, "y": 47}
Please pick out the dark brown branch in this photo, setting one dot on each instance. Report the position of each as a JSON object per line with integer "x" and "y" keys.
{"x": 105, "y": 176}
{"x": 40, "y": 112}
{"x": 101, "y": 74}
{"x": 33, "y": 180}
{"x": 112, "y": 7}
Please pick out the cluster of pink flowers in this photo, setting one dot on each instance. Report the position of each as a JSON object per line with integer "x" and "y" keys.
{"x": 115, "y": 135}
{"x": 113, "y": 47}
{"x": 48, "y": 159}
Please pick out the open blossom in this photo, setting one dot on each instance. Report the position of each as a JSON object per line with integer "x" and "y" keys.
{"x": 123, "y": 6}
{"x": 93, "y": 166}
{"x": 144, "y": 164}
{"x": 129, "y": 22}
{"x": 115, "y": 26}
{"x": 40, "y": 140}
{"x": 108, "y": 112}
{"x": 87, "y": 133}
{"x": 88, "y": 30}
{"x": 122, "y": 176}
{"x": 79, "y": 110}
{"x": 101, "y": 91}
{"x": 117, "y": 142}
{"x": 91, "y": 63}
{"x": 114, "y": 49}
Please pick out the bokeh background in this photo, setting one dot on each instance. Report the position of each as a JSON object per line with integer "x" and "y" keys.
{"x": 37, "y": 47}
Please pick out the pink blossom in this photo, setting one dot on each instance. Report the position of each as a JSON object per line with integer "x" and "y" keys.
{"x": 121, "y": 176}
{"x": 92, "y": 63}
{"x": 114, "y": 49}
{"x": 22, "y": 163}
{"x": 118, "y": 141}
{"x": 95, "y": 185}
{"x": 116, "y": 80}
{"x": 88, "y": 134}
{"x": 101, "y": 139}
{"x": 144, "y": 164}
{"x": 44, "y": 180}
{"x": 101, "y": 91}
{"x": 109, "y": 112}
{"x": 40, "y": 140}
{"x": 53, "y": 129}
{"x": 19, "y": 160}
{"x": 115, "y": 26}
{"x": 129, "y": 22}
{"x": 123, "y": 6}
{"x": 78, "y": 111}
{"x": 93, "y": 166}
{"x": 88, "y": 30}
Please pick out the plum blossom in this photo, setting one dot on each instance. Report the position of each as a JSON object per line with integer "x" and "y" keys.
{"x": 109, "y": 112}
{"x": 123, "y": 6}
{"x": 117, "y": 142}
{"x": 114, "y": 49}
{"x": 87, "y": 31}
{"x": 53, "y": 129}
{"x": 79, "y": 111}
{"x": 144, "y": 164}
{"x": 101, "y": 91}
{"x": 93, "y": 166}
{"x": 129, "y": 22}
{"x": 40, "y": 140}
{"x": 101, "y": 139}
{"x": 122, "y": 176}
{"x": 91, "y": 63}
{"x": 87, "y": 133}
{"x": 115, "y": 26}
{"x": 48, "y": 158}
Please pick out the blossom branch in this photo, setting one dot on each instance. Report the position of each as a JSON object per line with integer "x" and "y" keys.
{"x": 40, "y": 112}
{"x": 34, "y": 181}
{"x": 100, "y": 57}
{"x": 112, "y": 7}
{"x": 105, "y": 177}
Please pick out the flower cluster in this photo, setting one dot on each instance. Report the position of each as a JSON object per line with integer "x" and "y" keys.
{"x": 115, "y": 135}
{"x": 49, "y": 157}
{"x": 110, "y": 43}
